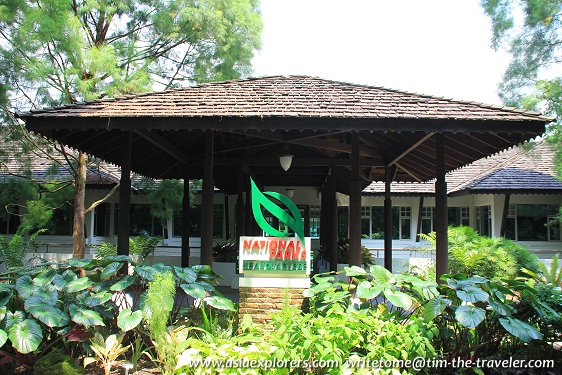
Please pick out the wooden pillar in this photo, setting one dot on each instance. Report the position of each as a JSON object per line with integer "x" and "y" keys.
{"x": 207, "y": 202}
{"x": 441, "y": 217}
{"x": 124, "y": 223}
{"x": 355, "y": 205}
{"x": 332, "y": 227}
{"x": 186, "y": 220}
{"x": 388, "y": 176}
{"x": 504, "y": 214}
{"x": 240, "y": 208}
{"x": 324, "y": 217}
{"x": 248, "y": 215}
{"x": 420, "y": 215}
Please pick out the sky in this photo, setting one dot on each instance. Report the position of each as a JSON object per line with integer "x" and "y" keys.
{"x": 435, "y": 47}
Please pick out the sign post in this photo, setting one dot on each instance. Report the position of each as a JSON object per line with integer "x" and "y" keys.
{"x": 275, "y": 268}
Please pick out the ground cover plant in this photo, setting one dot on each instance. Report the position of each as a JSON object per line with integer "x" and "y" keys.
{"x": 93, "y": 309}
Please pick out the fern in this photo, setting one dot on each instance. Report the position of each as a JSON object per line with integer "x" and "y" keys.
{"x": 13, "y": 250}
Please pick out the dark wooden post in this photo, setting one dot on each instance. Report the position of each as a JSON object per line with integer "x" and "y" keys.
{"x": 441, "y": 217}
{"x": 355, "y": 205}
{"x": 124, "y": 225}
{"x": 207, "y": 203}
{"x": 324, "y": 217}
{"x": 388, "y": 176}
{"x": 248, "y": 216}
{"x": 240, "y": 208}
{"x": 420, "y": 215}
{"x": 186, "y": 220}
{"x": 504, "y": 214}
{"x": 332, "y": 227}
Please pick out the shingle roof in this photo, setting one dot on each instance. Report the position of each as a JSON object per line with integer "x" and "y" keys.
{"x": 36, "y": 165}
{"x": 288, "y": 96}
{"x": 515, "y": 170}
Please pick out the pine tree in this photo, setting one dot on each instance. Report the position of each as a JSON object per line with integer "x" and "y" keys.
{"x": 56, "y": 52}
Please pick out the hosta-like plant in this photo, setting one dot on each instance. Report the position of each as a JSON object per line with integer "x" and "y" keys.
{"x": 42, "y": 306}
{"x": 475, "y": 316}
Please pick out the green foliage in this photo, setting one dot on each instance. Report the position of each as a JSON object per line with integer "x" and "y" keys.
{"x": 472, "y": 254}
{"x": 547, "y": 276}
{"x": 165, "y": 199}
{"x": 343, "y": 253}
{"x": 338, "y": 334}
{"x": 245, "y": 346}
{"x": 13, "y": 250}
{"x": 44, "y": 306}
{"x": 140, "y": 246}
{"x": 106, "y": 351}
{"x": 473, "y": 315}
{"x": 55, "y": 363}
{"x": 160, "y": 301}
{"x": 86, "y": 50}
{"x": 535, "y": 45}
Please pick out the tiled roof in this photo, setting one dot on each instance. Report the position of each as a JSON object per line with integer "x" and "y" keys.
{"x": 517, "y": 169}
{"x": 37, "y": 166}
{"x": 288, "y": 96}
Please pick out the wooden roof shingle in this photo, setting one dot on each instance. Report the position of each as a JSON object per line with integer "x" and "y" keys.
{"x": 287, "y": 96}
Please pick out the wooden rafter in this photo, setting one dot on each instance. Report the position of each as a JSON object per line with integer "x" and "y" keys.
{"x": 164, "y": 145}
{"x": 411, "y": 148}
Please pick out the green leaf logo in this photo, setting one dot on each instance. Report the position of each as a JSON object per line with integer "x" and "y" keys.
{"x": 292, "y": 220}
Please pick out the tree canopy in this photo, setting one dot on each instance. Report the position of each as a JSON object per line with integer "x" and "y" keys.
{"x": 531, "y": 30}
{"x": 56, "y": 52}
{"x": 61, "y": 51}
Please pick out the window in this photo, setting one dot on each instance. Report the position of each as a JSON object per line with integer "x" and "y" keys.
{"x": 343, "y": 222}
{"x": 533, "y": 222}
{"x": 405, "y": 222}
{"x": 372, "y": 226}
{"x": 314, "y": 220}
{"x": 366, "y": 221}
{"x": 484, "y": 220}
{"x": 553, "y": 223}
{"x": 459, "y": 216}
{"x": 142, "y": 221}
{"x": 195, "y": 219}
{"x": 101, "y": 219}
{"x": 218, "y": 220}
{"x": 427, "y": 220}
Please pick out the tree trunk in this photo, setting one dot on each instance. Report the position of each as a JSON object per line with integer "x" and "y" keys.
{"x": 78, "y": 250}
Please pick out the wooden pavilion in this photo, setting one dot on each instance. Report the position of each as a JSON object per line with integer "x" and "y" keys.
{"x": 342, "y": 136}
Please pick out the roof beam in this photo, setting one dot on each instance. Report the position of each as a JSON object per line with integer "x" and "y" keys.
{"x": 410, "y": 173}
{"x": 411, "y": 148}
{"x": 164, "y": 145}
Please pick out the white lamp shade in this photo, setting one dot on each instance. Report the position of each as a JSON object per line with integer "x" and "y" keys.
{"x": 285, "y": 161}
{"x": 290, "y": 192}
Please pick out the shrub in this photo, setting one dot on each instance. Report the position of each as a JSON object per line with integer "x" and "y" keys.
{"x": 13, "y": 250}
{"x": 140, "y": 247}
{"x": 340, "y": 335}
{"x": 472, "y": 254}
{"x": 476, "y": 317}
{"x": 43, "y": 307}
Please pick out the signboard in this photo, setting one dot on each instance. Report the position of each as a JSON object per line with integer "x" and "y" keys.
{"x": 275, "y": 256}
{"x": 278, "y": 255}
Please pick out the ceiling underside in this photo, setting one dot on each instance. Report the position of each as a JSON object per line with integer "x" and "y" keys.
{"x": 162, "y": 152}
